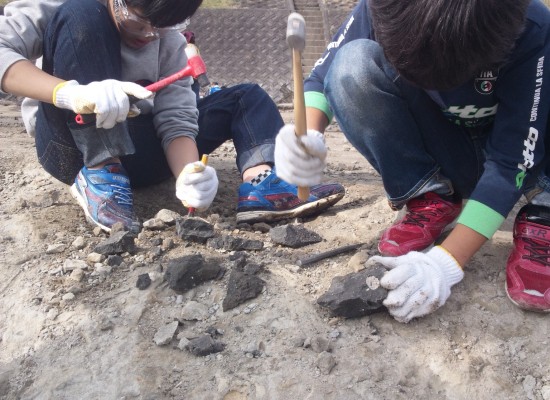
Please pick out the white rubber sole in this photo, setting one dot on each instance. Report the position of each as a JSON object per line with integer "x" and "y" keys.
{"x": 304, "y": 210}
{"x": 82, "y": 202}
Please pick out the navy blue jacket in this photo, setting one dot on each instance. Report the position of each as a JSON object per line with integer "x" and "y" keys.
{"x": 513, "y": 103}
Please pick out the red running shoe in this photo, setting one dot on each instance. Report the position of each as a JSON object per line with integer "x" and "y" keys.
{"x": 427, "y": 217}
{"x": 528, "y": 267}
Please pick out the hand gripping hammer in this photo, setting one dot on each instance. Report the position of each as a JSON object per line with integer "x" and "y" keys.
{"x": 195, "y": 68}
{"x": 296, "y": 39}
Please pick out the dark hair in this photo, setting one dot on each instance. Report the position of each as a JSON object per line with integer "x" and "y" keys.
{"x": 162, "y": 13}
{"x": 440, "y": 44}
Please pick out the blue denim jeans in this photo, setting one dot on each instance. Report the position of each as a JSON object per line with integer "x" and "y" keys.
{"x": 399, "y": 129}
{"x": 82, "y": 43}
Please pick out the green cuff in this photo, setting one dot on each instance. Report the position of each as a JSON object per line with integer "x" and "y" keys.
{"x": 319, "y": 101}
{"x": 480, "y": 218}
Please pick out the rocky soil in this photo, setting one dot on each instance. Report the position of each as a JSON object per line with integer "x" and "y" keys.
{"x": 75, "y": 325}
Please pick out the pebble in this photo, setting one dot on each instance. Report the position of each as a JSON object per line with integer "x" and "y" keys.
{"x": 165, "y": 333}
{"x": 194, "y": 311}
{"x": 56, "y": 248}
{"x": 72, "y": 265}
{"x": 68, "y": 296}
{"x": 325, "y": 362}
{"x": 78, "y": 243}
{"x": 545, "y": 392}
{"x": 52, "y": 313}
{"x": 529, "y": 383}
{"x": 95, "y": 258}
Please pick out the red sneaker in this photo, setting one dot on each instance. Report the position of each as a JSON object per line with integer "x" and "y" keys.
{"x": 528, "y": 267}
{"x": 427, "y": 217}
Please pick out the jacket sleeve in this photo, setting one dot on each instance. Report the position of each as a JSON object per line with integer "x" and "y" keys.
{"x": 175, "y": 107}
{"x": 358, "y": 25}
{"x": 516, "y": 146}
{"x": 22, "y": 30}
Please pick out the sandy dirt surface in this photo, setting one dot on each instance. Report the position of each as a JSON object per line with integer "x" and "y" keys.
{"x": 92, "y": 335}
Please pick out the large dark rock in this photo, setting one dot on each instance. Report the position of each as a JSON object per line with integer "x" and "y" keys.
{"x": 187, "y": 272}
{"x": 293, "y": 236}
{"x": 231, "y": 243}
{"x": 356, "y": 294}
{"x": 240, "y": 288}
{"x": 117, "y": 243}
{"x": 194, "y": 229}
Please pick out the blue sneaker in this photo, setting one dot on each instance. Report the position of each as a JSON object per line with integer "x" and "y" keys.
{"x": 274, "y": 199}
{"x": 106, "y": 197}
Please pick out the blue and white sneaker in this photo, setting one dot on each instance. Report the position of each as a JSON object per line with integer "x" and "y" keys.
{"x": 106, "y": 197}
{"x": 268, "y": 198}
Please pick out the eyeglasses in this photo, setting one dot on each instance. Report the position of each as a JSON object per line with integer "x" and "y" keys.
{"x": 139, "y": 26}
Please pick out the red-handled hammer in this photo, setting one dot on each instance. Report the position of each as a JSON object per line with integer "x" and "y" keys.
{"x": 296, "y": 39}
{"x": 195, "y": 68}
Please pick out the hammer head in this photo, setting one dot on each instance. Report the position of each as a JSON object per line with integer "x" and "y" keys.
{"x": 296, "y": 31}
{"x": 198, "y": 69}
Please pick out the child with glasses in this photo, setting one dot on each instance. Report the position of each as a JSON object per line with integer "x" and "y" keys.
{"x": 96, "y": 55}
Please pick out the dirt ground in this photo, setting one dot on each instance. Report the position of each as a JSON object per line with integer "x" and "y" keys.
{"x": 65, "y": 338}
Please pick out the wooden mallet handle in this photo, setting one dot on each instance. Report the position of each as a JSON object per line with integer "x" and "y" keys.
{"x": 296, "y": 39}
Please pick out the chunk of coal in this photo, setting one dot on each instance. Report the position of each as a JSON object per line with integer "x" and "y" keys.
{"x": 294, "y": 236}
{"x": 356, "y": 294}
{"x": 189, "y": 271}
{"x": 143, "y": 281}
{"x": 117, "y": 243}
{"x": 204, "y": 345}
{"x": 231, "y": 243}
{"x": 194, "y": 229}
{"x": 241, "y": 287}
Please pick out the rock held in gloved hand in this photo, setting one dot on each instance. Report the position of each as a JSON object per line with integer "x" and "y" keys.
{"x": 356, "y": 294}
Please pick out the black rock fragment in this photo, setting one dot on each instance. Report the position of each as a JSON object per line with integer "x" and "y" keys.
{"x": 356, "y": 294}
{"x": 231, "y": 243}
{"x": 194, "y": 229}
{"x": 293, "y": 236}
{"x": 187, "y": 272}
{"x": 204, "y": 345}
{"x": 117, "y": 243}
{"x": 143, "y": 281}
{"x": 240, "y": 288}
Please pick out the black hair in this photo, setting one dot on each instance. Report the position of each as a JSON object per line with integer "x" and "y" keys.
{"x": 163, "y": 13}
{"x": 440, "y": 44}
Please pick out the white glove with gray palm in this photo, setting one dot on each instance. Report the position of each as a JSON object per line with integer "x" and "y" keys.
{"x": 300, "y": 160}
{"x": 197, "y": 185}
{"x": 107, "y": 99}
{"x": 418, "y": 283}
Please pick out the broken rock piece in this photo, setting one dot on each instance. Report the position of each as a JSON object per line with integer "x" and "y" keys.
{"x": 356, "y": 294}
{"x": 189, "y": 271}
{"x": 293, "y": 236}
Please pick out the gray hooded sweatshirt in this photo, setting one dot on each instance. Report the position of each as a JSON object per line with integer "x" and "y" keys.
{"x": 174, "y": 111}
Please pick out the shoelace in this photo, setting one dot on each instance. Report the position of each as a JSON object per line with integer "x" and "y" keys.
{"x": 537, "y": 252}
{"x": 418, "y": 217}
{"x": 123, "y": 195}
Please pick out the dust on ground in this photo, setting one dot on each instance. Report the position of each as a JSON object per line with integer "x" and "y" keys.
{"x": 95, "y": 339}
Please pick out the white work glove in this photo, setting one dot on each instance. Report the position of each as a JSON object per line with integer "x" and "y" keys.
{"x": 418, "y": 283}
{"x": 197, "y": 185}
{"x": 300, "y": 160}
{"x": 107, "y": 99}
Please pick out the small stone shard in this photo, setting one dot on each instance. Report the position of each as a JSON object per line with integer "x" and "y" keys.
{"x": 204, "y": 345}
{"x": 165, "y": 334}
{"x": 143, "y": 281}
